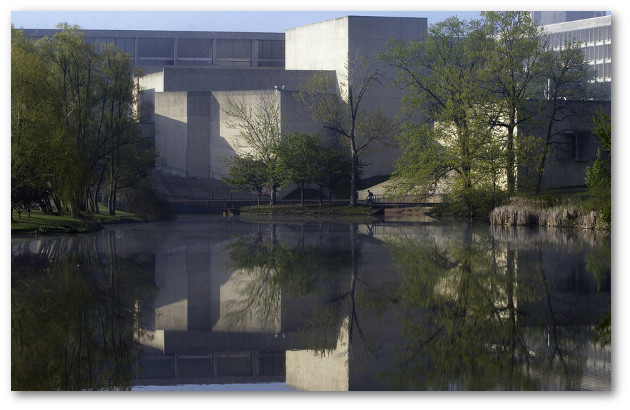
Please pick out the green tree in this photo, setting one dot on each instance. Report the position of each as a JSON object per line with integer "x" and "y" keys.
{"x": 95, "y": 92}
{"x": 259, "y": 128}
{"x": 342, "y": 108}
{"x": 74, "y": 68}
{"x": 297, "y": 156}
{"x": 247, "y": 173}
{"x": 598, "y": 177}
{"x": 35, "y": 127}
{"x": 512, "y": 67}
{"x": 128, "y": 156}
{"x": 334, "y": 166}
{"x": 444, "y": 78}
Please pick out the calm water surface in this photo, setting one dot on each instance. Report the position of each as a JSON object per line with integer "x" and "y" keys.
{"x": 208, "y": 303}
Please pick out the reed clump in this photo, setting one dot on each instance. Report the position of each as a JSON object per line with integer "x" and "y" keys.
{"x": 532, "y": 212}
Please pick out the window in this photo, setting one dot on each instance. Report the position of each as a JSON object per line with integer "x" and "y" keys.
{"x": 194, "y": 51}
{"x": 234, "y": 52}
{"x": 269, "y": 53}
{"x": 155, "y": 51}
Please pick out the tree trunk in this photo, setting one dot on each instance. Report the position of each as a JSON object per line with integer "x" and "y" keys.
{"x": 354, "y": 175}
{"x": 57, "y": 203}
{"x": 510, "y": 162}
{"x": 112, "y": 197}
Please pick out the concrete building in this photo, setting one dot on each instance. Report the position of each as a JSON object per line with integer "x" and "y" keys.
{"x": 592, "y": 29}
{"x": 189, "y": 77}
{"x": 542, "y": 18}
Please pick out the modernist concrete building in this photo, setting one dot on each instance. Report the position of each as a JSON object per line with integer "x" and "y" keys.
{"x": 192, "y": 134}
{"x": 592, "y": 29}
{"x": 189, "y": 77}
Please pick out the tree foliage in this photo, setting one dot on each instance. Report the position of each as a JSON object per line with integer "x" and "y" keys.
{"x": 598, "y": 176}
{"x": 247, "y": 173}
{"x": 477, "y": 82}
{"x": 512, "y": 67}
{"x": 443, "y": 77}
{"x": 72, "y": 120}
{"x": 307, "y": 158}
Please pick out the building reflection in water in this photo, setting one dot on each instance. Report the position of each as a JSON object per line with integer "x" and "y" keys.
{"x": 227, "y": 312}
{"x": 312, "y": 306}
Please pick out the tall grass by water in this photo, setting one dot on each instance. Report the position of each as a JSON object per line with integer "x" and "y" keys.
{"x": 532, "y": 212}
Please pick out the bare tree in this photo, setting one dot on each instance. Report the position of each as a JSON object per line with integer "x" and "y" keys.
{"x": 259, "y": 128}
{"x": 340, "y": 106}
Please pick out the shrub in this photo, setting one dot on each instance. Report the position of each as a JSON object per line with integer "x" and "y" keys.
{"x": 142, "y": 200}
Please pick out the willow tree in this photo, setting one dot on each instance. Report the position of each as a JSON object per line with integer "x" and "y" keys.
{"x": 35, "y": 127}
{"x": 444, "y": 78}
{"x": 125, "y": 154}
{"x": 95, "y": 93}
{"x": 341, "y": 106}
{"x": 259, "y": 132}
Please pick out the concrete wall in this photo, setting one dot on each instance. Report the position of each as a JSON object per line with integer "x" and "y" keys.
{"x": 336, "y": 45}
{"x": 574, "y": 146}
{"x": 227, "y": 143}
{"x": 314, "y": 371}
{"x": 232, "y": 79}
{"x": 367, "y": 37}
{"x": 318, "y": 46}
{"x": 171, "y": 130}
{"x": 192, "y": 138}
{"x": 198, "y": 158}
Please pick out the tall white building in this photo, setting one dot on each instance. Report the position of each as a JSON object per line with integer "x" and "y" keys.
{"x": 592, "y": 29}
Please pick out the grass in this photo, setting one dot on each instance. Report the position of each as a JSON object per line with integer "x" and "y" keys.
{"x": 307, "y": 210}
{"x": 41, "y": 224}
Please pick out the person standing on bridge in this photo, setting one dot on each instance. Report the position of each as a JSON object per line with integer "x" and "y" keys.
{"x": 370, "y": 198}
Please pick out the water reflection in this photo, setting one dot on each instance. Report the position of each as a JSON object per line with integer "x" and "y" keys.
{"x": 74, "y": 306}
{"x": 315, "y": 305}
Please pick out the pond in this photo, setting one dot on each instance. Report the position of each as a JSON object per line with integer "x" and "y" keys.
{"x": 204, "y": 302}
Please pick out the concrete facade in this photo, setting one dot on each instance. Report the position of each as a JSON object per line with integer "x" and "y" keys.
{"x": 191, "y": 135}
{"x": 573, "y": 146}
{"x": 190, "y": 75}
{"x": 594, "y": 35}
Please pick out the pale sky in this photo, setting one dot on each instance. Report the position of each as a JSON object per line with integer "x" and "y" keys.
{"x": 251, "y": 21}
{"x": 252, "y": 16}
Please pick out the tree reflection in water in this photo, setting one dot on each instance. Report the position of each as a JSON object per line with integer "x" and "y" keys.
{"x": 391, "y": 306}
{"x": 74, "y": 314}
{"x": 481, "y": 313}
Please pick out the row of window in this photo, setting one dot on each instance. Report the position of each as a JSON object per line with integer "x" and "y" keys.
{"x": 598, "y": 52}
{"x": 603, "y": 70}
{"x": 584, "y": 36}
{"x": 197, "y": 51}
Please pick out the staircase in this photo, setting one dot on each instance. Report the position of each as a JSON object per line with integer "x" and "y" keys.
{"x": 199, "y": 192}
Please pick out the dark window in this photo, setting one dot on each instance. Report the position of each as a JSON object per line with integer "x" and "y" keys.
{"x": 155, "y": 51}
{"x": 155, "y": 48}
{"x": 234, "y": 52}
{"x": 194, "y": 51}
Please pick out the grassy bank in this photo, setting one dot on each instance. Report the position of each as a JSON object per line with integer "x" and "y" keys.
{"x": 307, "y": 210}
{"x": 531, "y": 212}
{"x": 41, "y": 224}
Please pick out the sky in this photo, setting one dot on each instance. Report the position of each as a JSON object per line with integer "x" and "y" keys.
{"x": 251, "y": 16}
{"x": 250, "y": 21}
